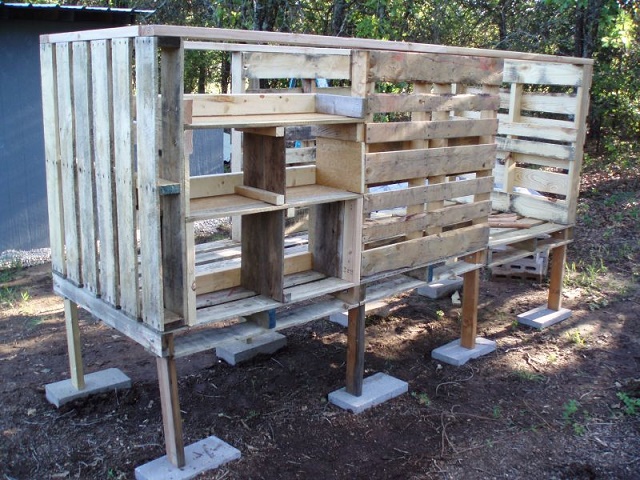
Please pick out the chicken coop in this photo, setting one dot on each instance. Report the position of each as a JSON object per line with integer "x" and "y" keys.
{"x": 397, "y": 152}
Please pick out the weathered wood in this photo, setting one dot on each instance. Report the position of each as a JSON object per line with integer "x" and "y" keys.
{"x": 543, "y": 102}
{"x": 283, "y": 65}
{"x": 542, "y": 181}
{"x": 301, "y": 155}
{"x": 73, "y": 344}
{"x": 251, "y": 104}
{"x": 260, "y": 194}
{"x": 355, "y": 350}
{"x": 326, "y": 230}
{"x": 560, "y": 152}
{"x": 427, "y": 193}
{"x": 556, "y": 276}
{"x": 104, "y": 165}
{"x": 470, "y": 293}
{"x": 271, "y": 120}
{"x": 340, "y": 105}
{"x": 170, "y": 402}
{"x": 125, "y": 184}
{"x": 82, "y": 109}
{"x": 264, "y": 162}
{"x": 149, "y": 146}
{"x": 424, "y": 250}
{"x": 340, "y": 164}
{"x": 516, "y": 71}
{"x": 430, "y": 102}
{"x": 399, "y": 166}
{"x": 442, "y": 68}
{"x": 67, "y": 161}
{"x": 538, "y": 131}
{"x": 237, "y": 87}
{"x": 404, "y": 131}
{"x": 48, "y": 71}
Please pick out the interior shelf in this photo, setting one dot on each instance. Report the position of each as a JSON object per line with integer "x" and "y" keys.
{"x": 271, "y": 120}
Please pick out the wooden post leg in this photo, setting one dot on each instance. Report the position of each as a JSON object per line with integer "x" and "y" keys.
{"x": 355, "y": 351}
{"x": 73, "y": 344}
{"x": 471, "y": 291}
{"x": 171, "y": 418}
{"x": 558, "y": 257}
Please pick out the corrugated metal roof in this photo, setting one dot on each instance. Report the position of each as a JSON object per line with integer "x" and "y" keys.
{"x": 53, "y": 11}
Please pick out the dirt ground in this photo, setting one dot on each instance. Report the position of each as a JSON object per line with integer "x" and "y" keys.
{"x": 563, "y": 403}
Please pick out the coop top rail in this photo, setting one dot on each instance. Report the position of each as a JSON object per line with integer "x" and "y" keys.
{"x": 296, "y": 39}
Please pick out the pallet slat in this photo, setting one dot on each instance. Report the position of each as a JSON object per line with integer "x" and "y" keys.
{"x": 405, "y": 131}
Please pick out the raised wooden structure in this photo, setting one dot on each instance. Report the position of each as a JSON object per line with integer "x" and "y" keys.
{"x": 399, "y": 182}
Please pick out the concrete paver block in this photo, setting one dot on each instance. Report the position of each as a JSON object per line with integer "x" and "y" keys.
{"x": 201, "y": 456}
{"x": 543, "y": 317}
{"x": 454, "y": 354}
{"x": 236, "y": 351}
{"x": 376, "y": 389}
{"x": 441, "y": 288}
{"x": 63, "y": 392}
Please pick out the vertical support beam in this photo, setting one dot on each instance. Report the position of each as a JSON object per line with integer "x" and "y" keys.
{"x": 73, "y": 344}
{"x": 558, "y": 257}
{"x": 171, "y": 418}
{"x": 471, "y": 291}
{"x": 515, "y": 109}
{"x": 237, "y": 86}
{"x": 355, "y": 350}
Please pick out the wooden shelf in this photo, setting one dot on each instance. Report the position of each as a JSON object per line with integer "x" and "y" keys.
{"x": 277, "y": 120}
{"x": 233, "y": 204}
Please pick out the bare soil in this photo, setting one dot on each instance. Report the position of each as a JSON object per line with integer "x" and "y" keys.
{"x": 545, "y": 405}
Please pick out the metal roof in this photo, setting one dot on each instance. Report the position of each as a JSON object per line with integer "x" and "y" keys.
{"x": 70, "y": 13}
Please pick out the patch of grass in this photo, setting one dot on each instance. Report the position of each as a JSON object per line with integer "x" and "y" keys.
{"x": 584, "y": 275}
{"x": 552, "y": 358}
{"x": 497, "y": 412}
{"x": 439, "y": 314}
{"x": 570, "y": 416}
{"x": 631, "y": 405}
{"x": 576, "y": 338}
{"x": 423, "y": 398}
{"x": 9, "y": 274}
{"x": 8, "y": 296}
{"x": 528, "y": 376}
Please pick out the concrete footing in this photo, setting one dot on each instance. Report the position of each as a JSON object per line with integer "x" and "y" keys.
{"x": 543, "y": 317}
{"x": 376, "y": 389}
{"x": 236, "y": 351}
{"x": 63, "y": 392}
{"x": 454, "y": 354}
{"x": 441, "y": 288}
{"x": 201, "y": 456}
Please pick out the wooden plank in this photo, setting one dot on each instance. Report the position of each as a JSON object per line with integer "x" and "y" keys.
{"x": 301, "y": 155}
{"x": 178, "y": 256}
{"x": 404, "y": 131}
{"x": 67, "y": 161}
{"x": 510, "y": 237}
{"x": 542, "y": 181}
{"x": 556, "y": 275}
{"x": 251, "y": 104}
{"x": 443, "y": 68}
{"x": 259, "y": 194}
{"x": 326, "y": 229}
{"x": 308, "y": 291}
{"x": 243, "y": 47}
{"x": 441, "y": 217}
{"x": 471, "y": 292}
{"x": 352, "y": 240}
{"x": 273, "y": 120}
{"x": 355, "y": 350}
{"x": 430, "y": 102}
{"x": 263, "y": 251}
{"x": 559, "y": 103}
{"x": 115, "y": 318}
{"x": 427, "y": 193}
{"x": 74, "y": 345}
{"x": 340, "y": 105}
{"x": 537, "y": 131}
{"x": 237, "y": 87}
{"x": 540, "y": 208}
{"x": 340, "y": 164}
{"x": 48, "y": 72}
{"x": 104, "y": 165}
{"x": 171, "y": 416}
{"x": 149, "y": 144}
{"x": 315, "y": 194}
{"x": 82, "y": 106}
{"x": 425, "y": 250}
{"x": 264, "y": 162}
{"x": 401, "y": 165}
{"x": 283, "y": 65}
{"x": 560, "y": 152}
{"x": 542, "y": 73}
{"x": 125, "y": 183}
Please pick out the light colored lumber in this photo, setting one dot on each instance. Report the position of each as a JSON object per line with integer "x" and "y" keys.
{"x": 554, "y": 133}
{"x": 125, "y": 183}
{"x": 236, "y": 104}
{"x": 148, "y": 145}
{"x": 284, "y": 65}
{"x": 440, "y": 68}
{"x": 104, "y": 163}
{"x": 471, "y": 291}
{"x": 544, "y": 102}
{"x": 556, "y": 276}
{"x": 306, "y": 195}
{"x": 73, "y": 344}
{"x": 498, "y": 239}
{"x": 340, "y": 164}
{"x": 397, "y": 166}
{"x": 340, "y": 105}
{"x": 244, "y": 47}
{"x": 560, "y": 152}
{"x": 48, "y": 72}
{"x": 544, "y": 73}
{"x": 260, "y": 194}
{"x": 271, "y": 120}
{"x": 85, "y": 163}
{"x": 68, "y": 165}
{"x": 542, "y": 181}
{"x": 425, "y": 250}
{"x": 404, "y": 131}
{"x": 301, "y": 155}
{"x": 430, "y": 102}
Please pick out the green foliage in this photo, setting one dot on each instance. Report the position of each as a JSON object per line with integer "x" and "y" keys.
{"x": 570, "y": 417}
{"x": 527, "y": 376}
{"x": 423, "y": 398}
{"x": 631, "y": 405}
{"x": 9, "y": 273}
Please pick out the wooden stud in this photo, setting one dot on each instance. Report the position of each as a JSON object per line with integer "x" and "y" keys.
{"x": 237, "y": 87}
{"x": 355, "y": 350}
{"x": 171, "y": 417}
{"x": 556, "y": 276}
{"x": 73, "y": 344}
{"x": 471, "y": 291}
